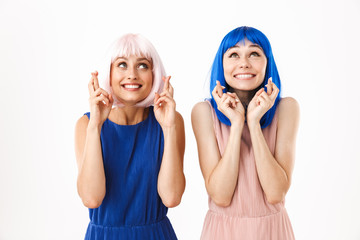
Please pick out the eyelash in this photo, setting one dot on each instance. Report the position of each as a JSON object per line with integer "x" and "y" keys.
{"x": 237, "y": 55}
{"x": 124, "y": 65}
{"x": 143, "y": 64}
{"x": 256, "y": 54}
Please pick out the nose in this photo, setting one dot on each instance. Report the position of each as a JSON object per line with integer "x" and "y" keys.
{"x": 244, "y": 63}
{"x": 132, "y": 74}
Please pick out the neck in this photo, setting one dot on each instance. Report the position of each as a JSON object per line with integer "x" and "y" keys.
{"x": 128, "y": 115}
{"x": 245, "y": 96}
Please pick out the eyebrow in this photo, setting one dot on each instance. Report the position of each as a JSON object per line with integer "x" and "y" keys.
{"x": 138, "y": 59}
{"x": 257, "y": 46}
{"x": 142, "y": 59}
{"x": 252, "y": 45}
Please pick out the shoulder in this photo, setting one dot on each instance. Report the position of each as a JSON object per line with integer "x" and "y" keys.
{"x": 179, "y": 121}
{"x": 288, "y": 116}
{"x": 179, "y": 117}
{"x": 202, "y": 118}
{"x": 288, "y": 108}
{"x": 201, "y": 109}
{"x": 288, "y": 103}
{"x": 82, "y": 123}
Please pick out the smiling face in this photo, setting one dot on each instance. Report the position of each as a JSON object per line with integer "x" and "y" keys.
{"x": 131, "y": 79}
{"x": 244, "y": 66}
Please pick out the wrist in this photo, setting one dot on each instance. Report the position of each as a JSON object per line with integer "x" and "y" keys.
{"x": 168, "y": 130}
{"x": 93, "y": 126}
{"x": 253, "y": 125}
{"x": 238, "y": 124}
{"x": 239, "y": 121}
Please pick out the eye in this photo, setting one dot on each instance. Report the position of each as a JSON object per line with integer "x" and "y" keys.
{"x": 233, "y": 55}
{"x": 254, "y": 54}
{"x": 122, "y": 65}
{"x": 143, "y": 66}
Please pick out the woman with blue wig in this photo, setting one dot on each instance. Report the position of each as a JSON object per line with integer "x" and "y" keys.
{"x": 130, "y": 146}
{"x": 246, "y": 137}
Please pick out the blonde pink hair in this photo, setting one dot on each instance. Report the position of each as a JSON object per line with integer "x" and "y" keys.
{"x": 134, "y": 44}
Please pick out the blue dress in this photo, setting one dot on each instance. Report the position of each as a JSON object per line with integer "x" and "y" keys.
{"x": 132, "y": 207}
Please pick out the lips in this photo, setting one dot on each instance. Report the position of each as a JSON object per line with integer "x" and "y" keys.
{"x": 131, "y": 86}
{"x": 244, "y": 75}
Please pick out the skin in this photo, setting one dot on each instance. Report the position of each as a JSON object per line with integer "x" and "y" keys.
{"x": 247, "y": 101}
{"x": 135, "y": 71}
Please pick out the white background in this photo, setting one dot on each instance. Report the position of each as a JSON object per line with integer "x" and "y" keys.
{"x": 48, "y": 49}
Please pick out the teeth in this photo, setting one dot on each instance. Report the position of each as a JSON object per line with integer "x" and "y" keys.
{"x": 131, "y": 86}
{"x": 241, "y": 76}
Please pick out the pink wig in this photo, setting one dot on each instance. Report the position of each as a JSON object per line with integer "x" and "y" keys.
{"x": 134, "y": 44}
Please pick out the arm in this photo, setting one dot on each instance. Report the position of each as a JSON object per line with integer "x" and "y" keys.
{"x": 220, "y": 173}
{"x": 275, "y": 171}
{"x": 171, "y": 179}
{"x": 91, "y": 176}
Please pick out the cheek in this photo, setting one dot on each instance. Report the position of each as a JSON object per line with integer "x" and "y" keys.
{"x": 263, "y": 65}
{"x": 227, "y": 68}
{"x": 260, "y": 67}
{"x": 148, "y": 78}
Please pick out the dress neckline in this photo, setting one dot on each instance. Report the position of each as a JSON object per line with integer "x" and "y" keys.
{"x": 137, "y": 124}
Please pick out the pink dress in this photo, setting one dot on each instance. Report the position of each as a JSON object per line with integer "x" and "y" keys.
{"x": 249, "y": 216}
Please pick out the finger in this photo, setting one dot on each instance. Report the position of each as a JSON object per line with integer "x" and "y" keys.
{"x": 106, "y": 101}
{"x": 269, "y": 86}
{"x": 166, "y": 94}
{"x": 111, "y": 99}
{"x": 166, "y": 100}
{"x": 219, "y": 88}
{"x": 166, "y": 81}
{"x": 156, "y": 106}
{"x": 233, "y": 99}
{"x": 233, "y": 102}
{"x": 171, "y": 90}
{"x": 275, "y": 92}
{"x": 96, "y": 81}
{"x": 260, "y": 100}
{"x": 229, "y": 101}
{"x": 156, "y": 97}
{"x": 265, "y": 96}
{"x": 259, "y": 91}
{"x": 91, "y": 86}
{"x": 216, "y": 95}
{"x": 100, "y": 91}
{"x": 101, "y": 99}
{"x": 234, "y": 96}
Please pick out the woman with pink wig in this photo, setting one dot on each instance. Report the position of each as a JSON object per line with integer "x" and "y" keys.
{"x": 130, "y": 146}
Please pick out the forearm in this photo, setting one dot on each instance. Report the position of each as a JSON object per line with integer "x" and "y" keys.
{"x": 171, "y": 179}
{"x": 222, "y": 181}
{"x": 272, "y": 176}
{"x": 91, "y": 178}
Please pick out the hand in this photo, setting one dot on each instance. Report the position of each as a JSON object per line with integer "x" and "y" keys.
{"x": 164, "y": 105}
{"x": 262, "y": 102}
{"x": 100, "y": 101}
{"x": 229, "y": 104}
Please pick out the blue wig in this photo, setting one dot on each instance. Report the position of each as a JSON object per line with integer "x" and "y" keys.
{"x": 217, "y": 71}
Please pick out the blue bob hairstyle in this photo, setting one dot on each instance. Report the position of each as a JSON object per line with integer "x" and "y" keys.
{"x": 217, "y": 72}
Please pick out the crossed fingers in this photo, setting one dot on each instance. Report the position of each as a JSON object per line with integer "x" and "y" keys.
{"x": 96, "y": 93}
{"x": 167, "y": 94}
